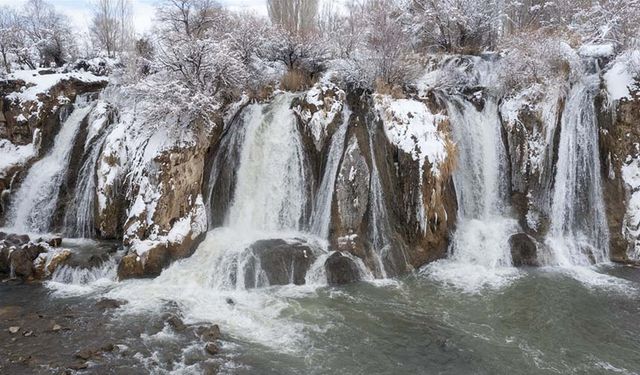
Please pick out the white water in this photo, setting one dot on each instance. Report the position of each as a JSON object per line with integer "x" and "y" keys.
{"x": 271, "y": 189}
{"x": 482, "y": 186}
{"x": 379, "y": 227}
{"x": 79, "y": 219}
{"x": 578, "y": 234}
{"x": 34, "y": 204}
{"x": 321, "y": 218}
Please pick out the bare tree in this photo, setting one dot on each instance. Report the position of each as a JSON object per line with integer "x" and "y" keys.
{"x": 295, "y": 16}
{"x": 112, "y": 25}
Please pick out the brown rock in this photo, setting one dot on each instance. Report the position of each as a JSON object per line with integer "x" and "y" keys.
{"x": 341, "y": 269}
{"x": 55, "y": 241}
{"x": 108, "y": 303}
{"x": 130, "y": 266}
{"x": 524, "y": 251}
{"x": 176, "y": 323}
{"x": 209, "y": 333}
{"x": 212, "y": 348}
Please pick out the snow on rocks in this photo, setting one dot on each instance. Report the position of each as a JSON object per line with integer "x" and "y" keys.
{"x": 40, "y": 82}
{"x": 620, "y": 79}
{"x": 631, "y": 225}
{"x": 597, "y": 50}
{"x": 414, "y": 129}
{"x": 319, "y": 108}
{"x": 17, "y": 155}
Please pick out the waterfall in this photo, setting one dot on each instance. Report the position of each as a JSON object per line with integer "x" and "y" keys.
{"x": 271, "y": 189}
{"x": 34, "y": 204}
{"x": 482, "y": 185}
{"x": 578, "y": 233}
{"x": 321, "y": 218}
{"x": 379, "y": 227}
{"x": 268, "y": 205}
{"x": 79, "y": 218}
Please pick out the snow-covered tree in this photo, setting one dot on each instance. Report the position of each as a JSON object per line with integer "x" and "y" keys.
{"x": 47, "y": 32}
{"x": 455, "y": 25}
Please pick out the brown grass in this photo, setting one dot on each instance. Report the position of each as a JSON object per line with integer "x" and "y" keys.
{"x": 384, "y": 88}
{"x": 295, "y": 80}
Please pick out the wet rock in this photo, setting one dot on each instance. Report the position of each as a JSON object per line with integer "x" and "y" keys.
{"x": 22, "y": 263}
{"x": 130, "y": 266}
{"x": 212, "y": 348}
{"x": 85, "y": 354}
{"x": 524, "y": 251}
{"x": 16, "y": 240}
{"x": 230, "y": 301}
{"x": 281, "y": 261}
{"x": 5, "y": 265}
{"x": 108, "y": 347}
{"x": 56, "y": 328}
{"x": 45, "y": 268}
{"x": 108, "y": 303}
{"x": 55, "y": 241}
{"x": 14, "y": 329}
{"x": 341, "y": 269}
{"x": 209, "y": 333}
{"x": 352, "y": 188}
{"x": 176, "y": 323}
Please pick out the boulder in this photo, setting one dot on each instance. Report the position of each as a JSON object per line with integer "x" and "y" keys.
{"x": 524, "y": 251}
{"x": 55, "y": 241}
{"x": 5, "y": 264}
{"x": 176, "y": 323}
{"x": 281, "y": 261}
{"x": 21, "y": 261}
{"x": 212, "y": 348}
{"x": 108, "y": 303}
{"x": 341, "y": 269}
{"x": 46, "y": 267}
{"x": 209, "y": 333}
{"x": 130, "y": 266}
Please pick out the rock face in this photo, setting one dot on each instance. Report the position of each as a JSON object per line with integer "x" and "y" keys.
{"x": 167, "y": 219}
{"x": 524, "y": 251}
{"x": 32, "y": 123}
{"x": 282, "y": 262}
{"x": 619, "y": 140}
{"x": 341, "y": 269}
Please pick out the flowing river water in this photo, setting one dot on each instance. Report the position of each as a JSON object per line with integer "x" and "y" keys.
{"x": 542, "y": 321}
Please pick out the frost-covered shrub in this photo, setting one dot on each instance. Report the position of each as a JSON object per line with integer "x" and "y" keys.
{"x": 537, "y": 58}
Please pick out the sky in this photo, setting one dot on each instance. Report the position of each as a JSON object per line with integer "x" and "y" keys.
{"x": 79, "y": 11}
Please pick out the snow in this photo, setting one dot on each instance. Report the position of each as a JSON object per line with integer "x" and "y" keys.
{"x": 12, "y": 155}
{"x": 631, "y": 177}
{"x": 596, "y": 50}
{"x": 191, "y": 225}
{"x": 411, "y": 126}
{"x": 327, "y": 108}
{"x": 36, "y": 84}
{"x": 620, "y": 78}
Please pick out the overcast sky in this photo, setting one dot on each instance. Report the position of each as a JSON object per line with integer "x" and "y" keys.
{"x": 79, "y": 11}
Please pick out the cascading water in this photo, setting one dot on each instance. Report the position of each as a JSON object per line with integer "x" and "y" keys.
{"x": 268, "y": 203}
{"x": 79, "y": 218}
{"x": 578, "y": 234}
{"x": 34, "y": 204}
{"x": 379, "y": 227}
{"x": 482, "y": 185}
{"x": 271, "y": 185}
{"x": 321, "y": 218}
